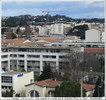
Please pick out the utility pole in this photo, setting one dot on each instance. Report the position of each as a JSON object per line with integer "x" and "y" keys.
{"x": 0, "y": 50}
{"x": 81, "y": 85}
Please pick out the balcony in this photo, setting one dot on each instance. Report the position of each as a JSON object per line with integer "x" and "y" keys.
{"x": 34, "y": 69}
{"x": 33, "y": 64}
{"x": 21, "y": 63}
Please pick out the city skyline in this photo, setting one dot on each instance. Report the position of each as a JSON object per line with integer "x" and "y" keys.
{"x": 73, "y": 9}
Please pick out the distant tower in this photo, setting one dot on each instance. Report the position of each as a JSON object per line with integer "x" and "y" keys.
{"x": 88, "y": 17}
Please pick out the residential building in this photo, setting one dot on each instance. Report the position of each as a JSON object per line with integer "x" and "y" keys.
{"x": 21, "y": 54}
{"x": 93, "y": 35}
{"x": 44, "y": 30}
{"x": 57, "y": 28}
{"x": 89, "y": 89}
{"x": 16, "y": 81}
{"x": 27, "y": 55}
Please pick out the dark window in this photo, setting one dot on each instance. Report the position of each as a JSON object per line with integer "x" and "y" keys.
{"x": 34, "y": 94}
{"x": 6, "y": 79}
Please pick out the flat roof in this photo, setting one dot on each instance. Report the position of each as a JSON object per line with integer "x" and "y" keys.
{"x": 13, "y": 73}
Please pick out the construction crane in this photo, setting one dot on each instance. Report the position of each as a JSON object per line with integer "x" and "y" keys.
{"x": 48, "y": 11}
{"x": 32, "y": 20}
{"x": 47, "y": 15}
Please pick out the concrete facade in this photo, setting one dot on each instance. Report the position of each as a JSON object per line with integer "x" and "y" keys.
{"x": 93, "y": 35}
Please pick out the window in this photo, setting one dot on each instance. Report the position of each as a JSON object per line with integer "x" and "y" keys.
{"x": 13, "y": 55}
{"x": 5, "y": 56}
{"x": 21, "y": 55}
{"x": 7, "y": 87}
{"x": 34, "y": 94}
{"x": 33, "y": 56}
{"x": 6, "y": 79}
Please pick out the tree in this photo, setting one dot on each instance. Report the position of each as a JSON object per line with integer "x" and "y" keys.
{"x": 75, "y": 63}
{"x": 11, "y": 36}
{"x": 17, "y": 95}
{"x": 78, "y": 31}
{"x": 102, "y": 62}
{"x": 8, "y": 93}
{"x": 99, "y": 88}
{"x": 46, "y": 73}
{"x": 69, "y": 89}
{"x": 27, "y": 32}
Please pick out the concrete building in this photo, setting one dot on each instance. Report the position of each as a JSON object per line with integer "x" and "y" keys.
{"x": 57, "y": 28}
{"x": 31, "y": 55}
{"x": 44, "y": 30}
{"x": 16, "y": 81}
{"x": 44, "y": 88}
{"x": 20, "y": 55}
{"x": 103, "y": 37}
{"x": 93, "y": 35}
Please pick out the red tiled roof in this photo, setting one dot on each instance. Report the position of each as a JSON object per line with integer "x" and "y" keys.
{"x": 92, "y": 50}
{"x": 47, "y": 83}
{"x": 88, "y": 87}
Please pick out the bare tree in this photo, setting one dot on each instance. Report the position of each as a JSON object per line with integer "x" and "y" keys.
{"x": 75, "y": 63}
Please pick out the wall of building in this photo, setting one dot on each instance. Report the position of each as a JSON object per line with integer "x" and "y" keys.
{"x": 57, "y": 29}
{"x": 43, "y": 91}
{"x": 40, "y": 90}
{"x": 20, "y": 82}
{"x": 14, "y": 62}
{"x": 93, "y": 36}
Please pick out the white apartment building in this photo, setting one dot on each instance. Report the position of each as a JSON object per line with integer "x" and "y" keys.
{"x": 24, "y": 55}
{"x": 16, "y": 81}
{"x": 93, "y": 35}
{"x": 33, "y": 57}
{"x": 57, "y": 28}
{"x": 44, "y": 30}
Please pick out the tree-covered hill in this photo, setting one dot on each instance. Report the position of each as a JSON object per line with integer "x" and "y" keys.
{"x": 25, "y": 19}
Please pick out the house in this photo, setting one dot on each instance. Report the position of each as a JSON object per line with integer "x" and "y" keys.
{"x": 44, "y": 88}
{"x": 89, "y": 89}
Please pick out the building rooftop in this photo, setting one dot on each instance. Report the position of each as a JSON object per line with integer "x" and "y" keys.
{"x": 13, "y": 73}
{"x": 46, "y": 83}
{"x": 88, "y": 87}
{"x": 94, "y": 50}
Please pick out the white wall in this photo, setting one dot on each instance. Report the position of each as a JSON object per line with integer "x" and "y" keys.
{"x": 93, "y": 36}
{"x": 20, "y": 82}
{"x": 43, "y": 91}
{"x": 57, "y": 29}
{"x": 103, "y": 37}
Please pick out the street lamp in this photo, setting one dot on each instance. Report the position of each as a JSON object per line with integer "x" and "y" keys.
{"x": 81, "y": 82}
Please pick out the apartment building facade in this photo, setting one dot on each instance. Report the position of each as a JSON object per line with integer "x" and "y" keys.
{"x": 24, "y": 55}
{"x": 32, "y": 58}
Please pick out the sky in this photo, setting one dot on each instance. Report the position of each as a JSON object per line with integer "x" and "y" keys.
{"x": 73, "y": 9}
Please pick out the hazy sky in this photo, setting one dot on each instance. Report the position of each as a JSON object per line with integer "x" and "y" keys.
{"x": 74, "y": 9}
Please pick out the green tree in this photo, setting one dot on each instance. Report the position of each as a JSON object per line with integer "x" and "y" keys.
{"x": 17, "y": 95}
{"x": 8, "y": 93}
{"x": 11, "y": 36}
{"x": 78, "y": 31}
{"x": 69, "y": 89}
{"x": 46, "y": 73}
{"x": 99, "y": 88}
{"x": 102, "y": 62}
